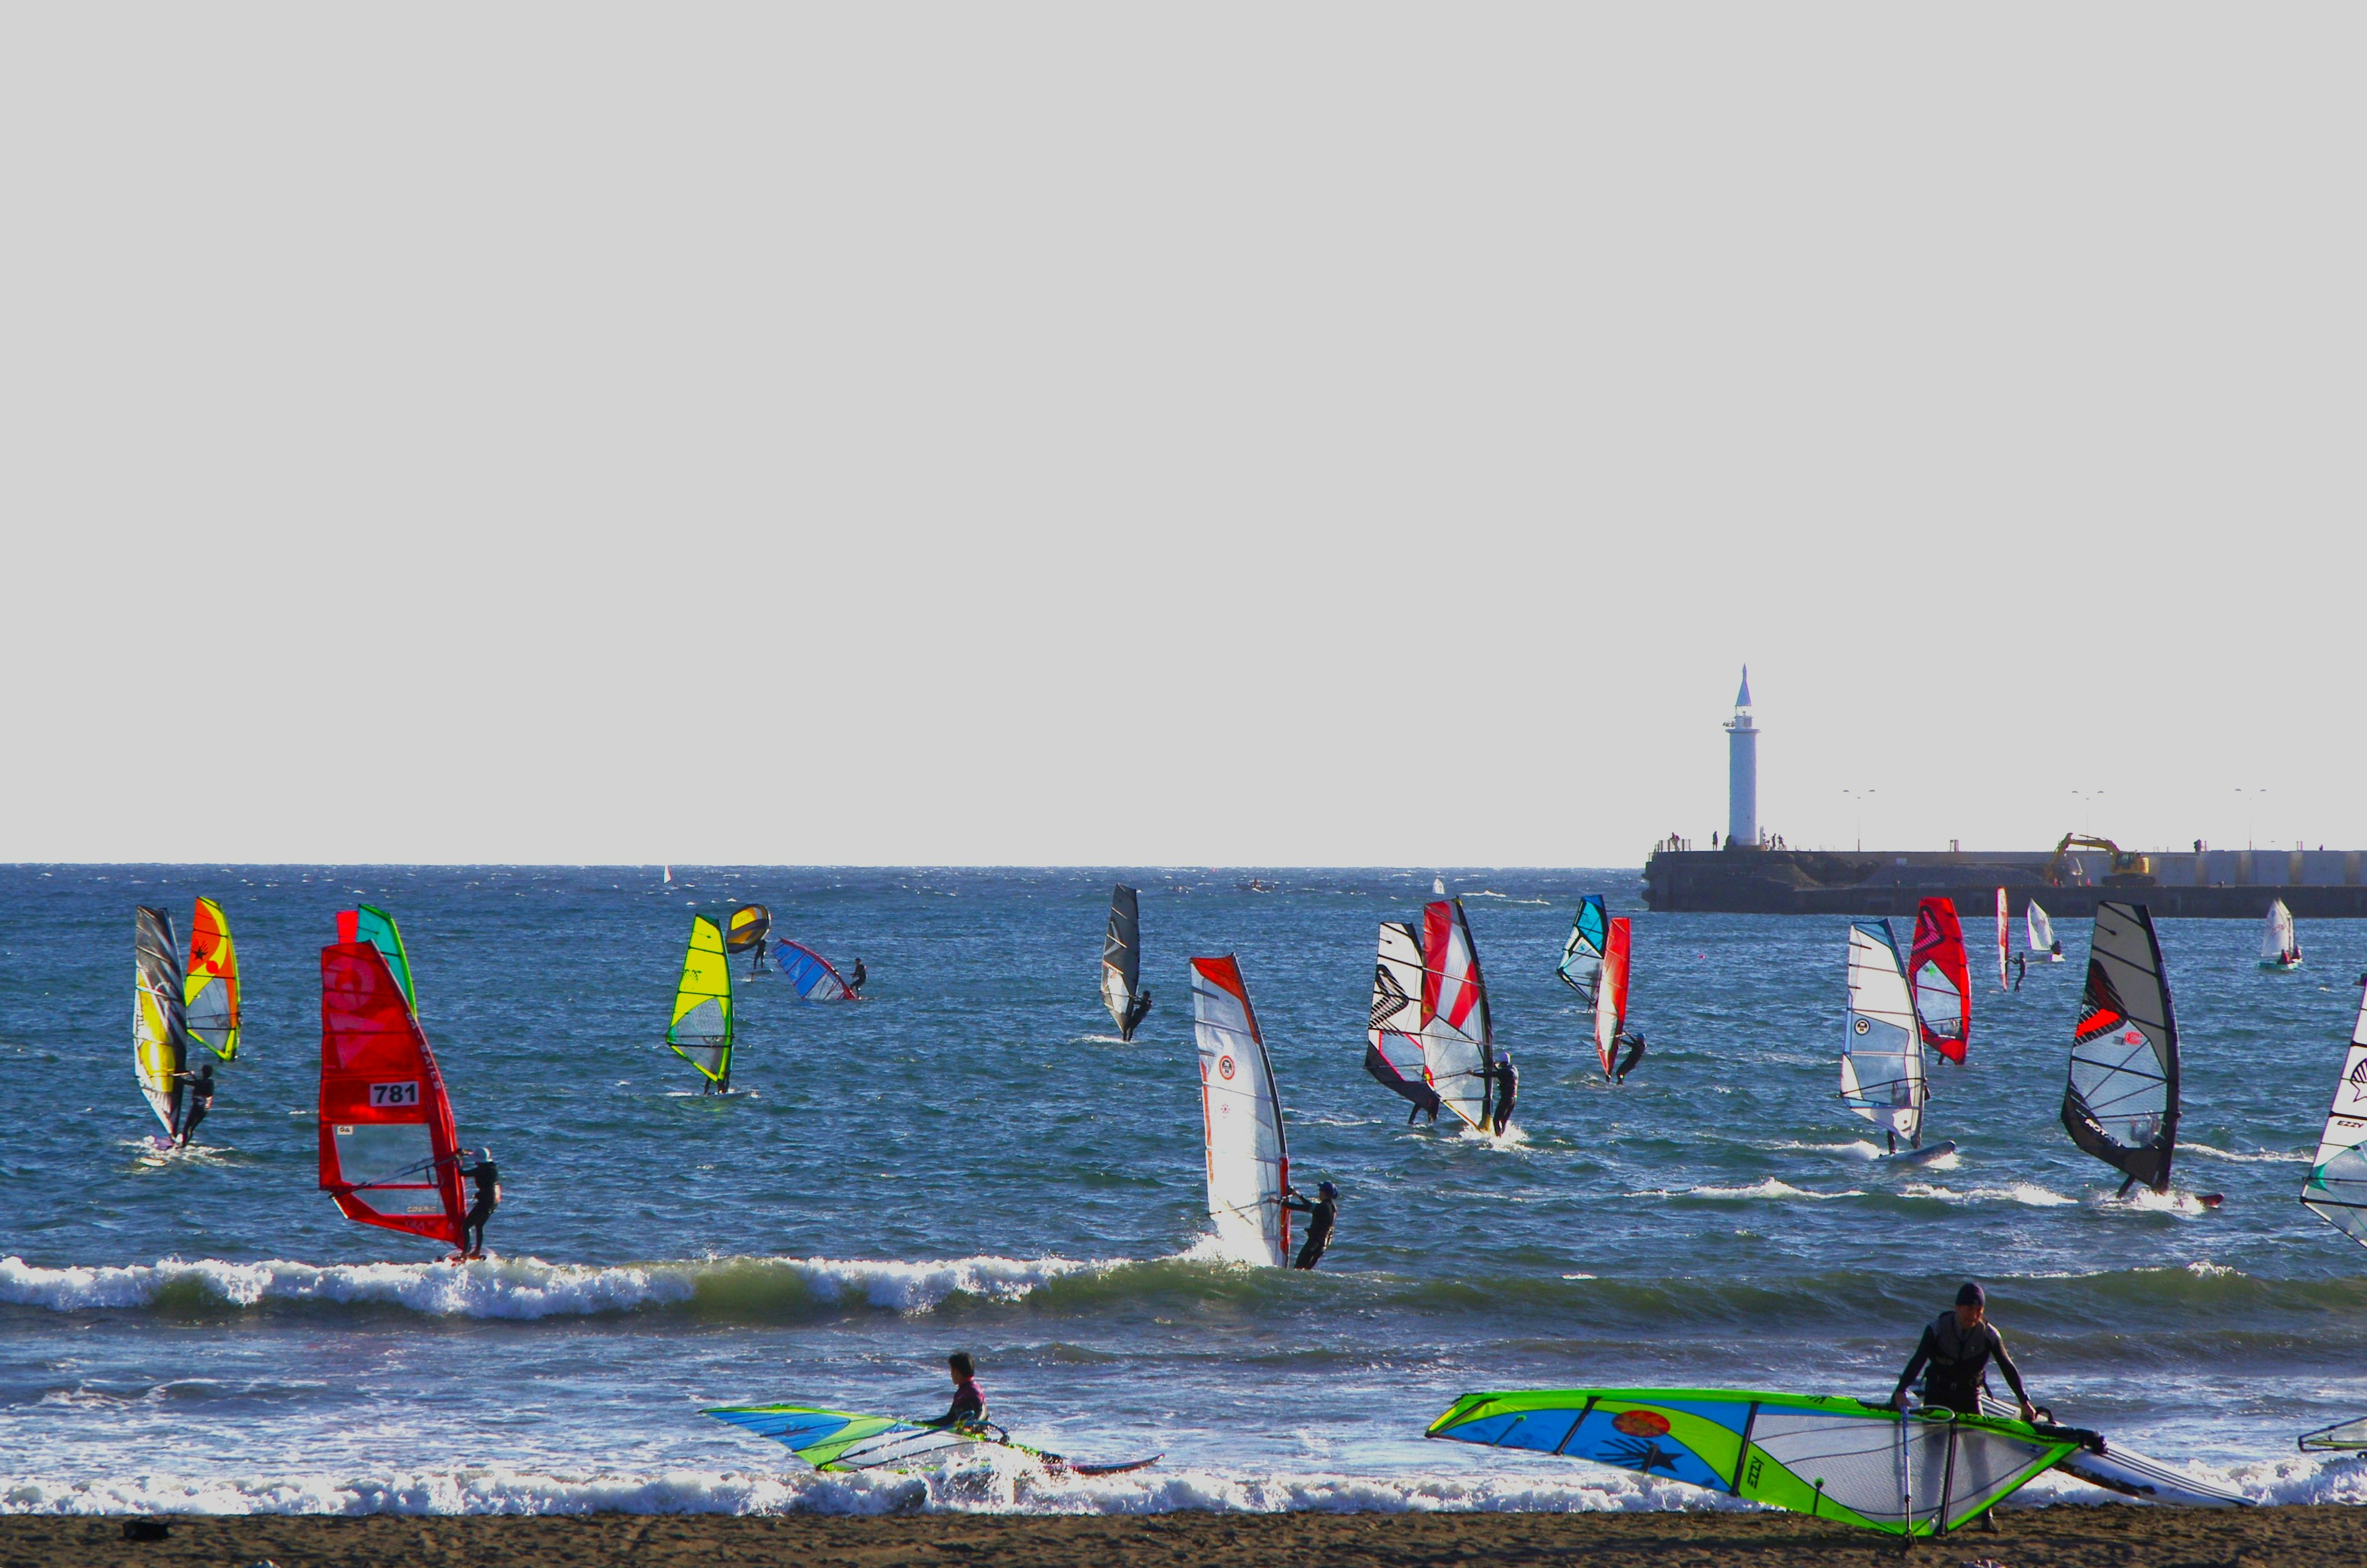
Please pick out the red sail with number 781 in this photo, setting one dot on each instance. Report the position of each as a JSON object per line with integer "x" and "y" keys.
{"x": 389, "y": 1153}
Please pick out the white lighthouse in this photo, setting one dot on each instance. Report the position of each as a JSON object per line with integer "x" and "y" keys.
{"x": 1742, "y": 769}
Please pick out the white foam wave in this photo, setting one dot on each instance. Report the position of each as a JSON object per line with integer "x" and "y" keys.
{"x": 2257, "y": 1156}
{"x": 999, "y": 1485}
{"x": 1771, "y": 1188}
{"x": 523, "y": 1287}
{"x": 2186, "y": 1205}
{"x": 1857, "y": 1149}
{"x": 2028, "y": 1192}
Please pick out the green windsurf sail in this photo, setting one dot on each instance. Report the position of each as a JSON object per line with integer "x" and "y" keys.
{"x": 1922, "y": 1473}
{"x": 701, "y": 1031}
{"x": 377, "y": 928}
{"x": 839, "y": 1441}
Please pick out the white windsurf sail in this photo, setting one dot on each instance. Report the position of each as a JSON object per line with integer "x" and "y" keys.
{"x": 160, "y": 1028}
{"x": 1611, "y": 994}
{"x": 2005, "y": 938}
{"x": 1393, "y": 1038}
{"x": 2280, "y": 949}
{"x": 2336, "y": 1188}
{"x": 1882, "y": 1059}
{"x": 1458, "y": 1045}
{"x": 1241, "y": 1114}
{"x": 2039, "y": 930}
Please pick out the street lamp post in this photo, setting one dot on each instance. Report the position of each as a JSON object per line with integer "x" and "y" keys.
{"x": 1859, "y": 795}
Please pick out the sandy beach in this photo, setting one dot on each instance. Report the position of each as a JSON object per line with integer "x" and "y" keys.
{"x": 2037, "y": 1538}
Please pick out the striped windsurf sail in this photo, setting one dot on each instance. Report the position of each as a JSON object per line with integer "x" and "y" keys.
{"x": 160, "y": 1032}
{"x": 210, "y": 982}
{"x": 701, "y": 1031}
{"x": 1611, "y": 995}
{"x": 2038, "y": 930}
{"x": 1581, "y": 952}
{"x": 389, "y": 1153}
{"x": 2336, "y": 1188}
{"x": 2005, "y": 938}
{"x": 2120, "y": 1103}
{"x": 1122, "y": 956}
{"x": 1882, "y": 1061}
{"x": 1458, "y": 1044}
{"x": 1241, "y": 1115}
{"x": 838, "y": 1440}
{"x": 1393, "y": 1035}
{"x": 1942, "y": 980}
{"x": 810, "y": 972}
{"x": 1907, "y": 1474}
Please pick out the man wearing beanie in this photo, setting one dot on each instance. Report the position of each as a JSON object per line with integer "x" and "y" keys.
{"x": 1956, "y": 1350}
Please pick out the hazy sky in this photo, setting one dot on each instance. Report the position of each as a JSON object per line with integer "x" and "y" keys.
{"x": 1245, "y": 435}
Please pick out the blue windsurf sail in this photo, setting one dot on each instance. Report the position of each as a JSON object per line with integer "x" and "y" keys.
{"x": 810, "y": 973}
{"x": 1582, "y": 955}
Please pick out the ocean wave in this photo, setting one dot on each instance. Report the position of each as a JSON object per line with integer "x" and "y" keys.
{"x": 2027, "y": 1192}
{"x": 1770, "y": 1189}
{"x": 2256, "y": 1156}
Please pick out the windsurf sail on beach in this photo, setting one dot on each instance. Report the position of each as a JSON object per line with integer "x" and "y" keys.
{"x": 1393, "y": 1037}
{"x": 1942, "y": 981}
{"x": 1458, "y": 1045}
{"x": 701, "y": 1031}
{"x": 2005, "y": 939}
{"x": 2280, "y": 949}
{"x": 209, "y": 982}
{"x": 841, "y": 1440}
{"x": 377, "y": 928}
{"x": 745, "y": 932}
{"x": 2120, "y": 1103}
{"x": 1122, "y": 958}
{"x": 2039, "y": 932}
{"x": 1611, "y": 994}
{"x": 2343, "y": 1436}
{"x": 1581, "y": 952}
{"x": 2116, "y": 1467}
{"x": 389, "y": 1153}
{"x": 810, "y": 972}
{"x": 1240, "y": 1116}
{"x": 1882, "y": 1060}
{"x": 2336, "y": 1188}
{"x": 1922, "y": 1473}
{"x": 159, "y": 1030}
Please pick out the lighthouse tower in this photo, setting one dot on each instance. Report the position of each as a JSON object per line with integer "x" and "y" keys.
{"x": 1742, "y": 770}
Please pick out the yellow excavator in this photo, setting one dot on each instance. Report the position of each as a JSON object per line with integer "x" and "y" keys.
{"x": 2129, "y": 869}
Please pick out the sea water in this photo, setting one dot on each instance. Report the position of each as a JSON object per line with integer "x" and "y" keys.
{"x": 970, "y": 1159}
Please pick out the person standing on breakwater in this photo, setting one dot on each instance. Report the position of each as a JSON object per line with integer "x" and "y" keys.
{"x": 969, "y": 1408}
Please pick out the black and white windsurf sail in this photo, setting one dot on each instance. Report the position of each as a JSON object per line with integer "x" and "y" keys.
{"x": 1881, "y": 1056}
{"x": 1393, "y": 1036}
{"x": 2121, "y": 1104}
{"x": 1122, "y": 960}
{"x": 2336, "y": 1188}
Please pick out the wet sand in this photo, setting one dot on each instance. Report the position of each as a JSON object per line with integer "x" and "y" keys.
{"x": 2037, "y": 1538}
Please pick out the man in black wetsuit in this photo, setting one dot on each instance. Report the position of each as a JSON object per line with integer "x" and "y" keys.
{"x": 201, "y": 1099}
{"x": 1136, "y": 1012}
{"x": 969, "y": 1408}
{"x": 1505, "y": 1080}
{"x": 855, "y": 984}
{"x": 1634, "y": 1041}
{"x": 2020, "y": 967}
{"x": 488, "y": 1197}
{"x": 1953, "y": 1358}
{"x": 1321, "y": 1215}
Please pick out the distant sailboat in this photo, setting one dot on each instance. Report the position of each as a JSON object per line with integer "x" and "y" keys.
{"x": 1438, "y": 886}
{"x": 2279, "y": 948}
{"x": 2045, "y": 945}
{"x": 2336, "y": 1188}
{"x": 1882, "y": 1053}
{"x": 1943, "y": 982}
{"x": 669, "y": 877}
{"x": 1240, "y": 1119}
{"x": 2121, "y": 1101}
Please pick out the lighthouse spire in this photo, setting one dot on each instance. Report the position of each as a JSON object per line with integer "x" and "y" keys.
{"x": 1742, "y": 770}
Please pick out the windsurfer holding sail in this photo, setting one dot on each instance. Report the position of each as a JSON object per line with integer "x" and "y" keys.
{"x": 1505, "y": 1080}
{"x": 969, "y": 1408}
{"x": 1954, "y": 1356}
{"x": 1634, "y": 1040}
{"x": 488, "y": 1197}
{"x": 201, "y": 1099}
{"x": 1136, "y": 1012}
{"x": 1320, "y": 1216}
{"x": 855, "y": 984}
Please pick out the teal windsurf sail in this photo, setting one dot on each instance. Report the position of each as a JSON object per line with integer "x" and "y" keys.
{"x": 1921, "y": 1474}
{"x": 377, "y": 928}
{"x": 840, "y": 1440}
{"x": 1582, "y": 955}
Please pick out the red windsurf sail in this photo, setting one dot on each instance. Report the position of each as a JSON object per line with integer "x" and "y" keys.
{"x": 1943, "y": 982}
{"x": 1611, "y": 996}
{"x": 389, "y": 1153}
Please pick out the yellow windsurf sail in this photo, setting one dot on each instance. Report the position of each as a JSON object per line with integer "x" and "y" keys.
{"x": 212, "y": 981}
{"x": 701, "y": 1031}
{"x": 160, "y": 1036}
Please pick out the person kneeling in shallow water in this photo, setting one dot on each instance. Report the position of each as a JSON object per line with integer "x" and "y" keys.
{"x": 1321, "y": 1215}
{"x": 969, "y": 1408}
{"x": 1954, "y": 1356}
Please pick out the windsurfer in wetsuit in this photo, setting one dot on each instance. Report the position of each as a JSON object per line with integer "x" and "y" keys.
{"x": 1136, "y": 1012}
{"x": 1634, "y": 1041}
{"x": 1953, "y": 1358}
{"x": 1320, "y": 1215}
{"x": 969, "y": 1408}
{"x": 488, "y": 1197}
{"x": 201, "y": 1099}
{"x": 1505, "y": 1080}
{"x": 854, "y": 985}
{"x": 2020, "y": 967}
